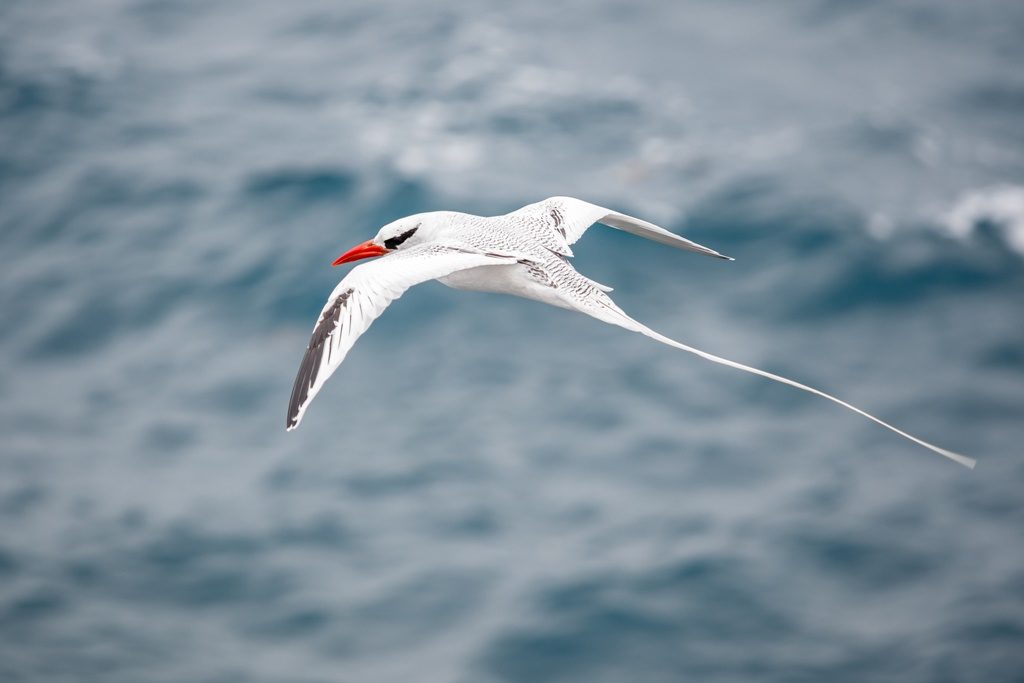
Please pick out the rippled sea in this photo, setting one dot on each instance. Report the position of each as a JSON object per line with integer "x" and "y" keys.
{"x": 489, "y": 490}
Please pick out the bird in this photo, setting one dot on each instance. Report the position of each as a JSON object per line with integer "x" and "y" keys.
{"x": 524, "y": 253}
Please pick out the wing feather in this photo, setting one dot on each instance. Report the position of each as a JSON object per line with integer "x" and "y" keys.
{"x": 359, "y": 299}
{"x": 563, "y": 220}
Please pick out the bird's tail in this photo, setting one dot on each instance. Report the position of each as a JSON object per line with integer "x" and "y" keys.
{"x": 614, "y": 315}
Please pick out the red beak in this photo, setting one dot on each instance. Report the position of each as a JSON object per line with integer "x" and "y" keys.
{"x": 364, "y": 250}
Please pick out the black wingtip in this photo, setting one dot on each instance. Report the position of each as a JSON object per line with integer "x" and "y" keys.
{"x": 311, "y": 361}
{"x": 292, "y": 421}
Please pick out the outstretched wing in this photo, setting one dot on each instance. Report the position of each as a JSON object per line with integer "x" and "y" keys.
{"x": 359, "y": 299}
{"x": 563, "y": 220}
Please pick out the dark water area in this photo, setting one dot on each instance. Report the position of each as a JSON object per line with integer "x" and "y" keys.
{"x": 489, "y": 490}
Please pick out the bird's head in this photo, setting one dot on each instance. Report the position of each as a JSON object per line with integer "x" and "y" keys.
{"x": 401, "y": 234}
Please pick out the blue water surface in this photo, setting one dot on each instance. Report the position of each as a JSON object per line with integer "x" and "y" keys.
{"x": 488, "y": 490}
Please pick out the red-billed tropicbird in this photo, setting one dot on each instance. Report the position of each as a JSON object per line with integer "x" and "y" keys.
{"x": 524, "y": 253}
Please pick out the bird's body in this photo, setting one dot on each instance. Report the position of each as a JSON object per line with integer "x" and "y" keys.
{"x": 524, "y": 253}
{"x": 541, "y": 271}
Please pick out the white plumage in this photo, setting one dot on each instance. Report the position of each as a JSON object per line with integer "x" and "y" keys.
{"x": 524, "y": 253}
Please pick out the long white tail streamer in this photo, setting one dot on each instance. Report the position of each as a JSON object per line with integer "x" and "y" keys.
{"x": 635, "y": 326}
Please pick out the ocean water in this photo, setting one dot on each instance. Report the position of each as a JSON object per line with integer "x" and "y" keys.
{"x": 490, "y": 491}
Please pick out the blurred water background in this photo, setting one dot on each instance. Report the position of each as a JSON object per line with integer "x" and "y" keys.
{"x": 490, "y": 490}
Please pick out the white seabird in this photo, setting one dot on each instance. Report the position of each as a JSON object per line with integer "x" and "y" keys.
{"x": 524, "y": 253}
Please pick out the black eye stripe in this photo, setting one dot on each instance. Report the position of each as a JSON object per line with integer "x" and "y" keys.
{"x": 393, "y": 242}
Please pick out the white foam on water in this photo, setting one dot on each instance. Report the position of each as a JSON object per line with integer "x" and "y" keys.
{"x": 1001, "y": 205}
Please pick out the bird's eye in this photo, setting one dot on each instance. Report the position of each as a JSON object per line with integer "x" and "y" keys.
{"x": 393, "y": 242}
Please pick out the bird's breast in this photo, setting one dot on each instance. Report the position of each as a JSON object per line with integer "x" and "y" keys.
{"x": 518, "y": 279}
